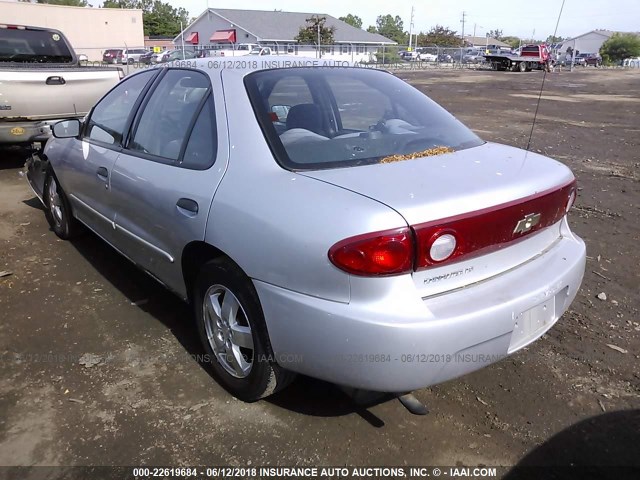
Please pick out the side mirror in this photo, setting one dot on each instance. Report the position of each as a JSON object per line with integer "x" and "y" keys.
{"x": 66, "y": 128}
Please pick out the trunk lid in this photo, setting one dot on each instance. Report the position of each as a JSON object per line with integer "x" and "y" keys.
{"x": 430, "y": 189}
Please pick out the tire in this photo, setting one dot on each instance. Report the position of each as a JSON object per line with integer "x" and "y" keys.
{"x": 234, "y": 334}
{"x": 522, "y": 67}
{"x": 58, "y": 209}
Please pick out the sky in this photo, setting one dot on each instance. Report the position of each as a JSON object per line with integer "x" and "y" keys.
{"x": 514, "y": 17}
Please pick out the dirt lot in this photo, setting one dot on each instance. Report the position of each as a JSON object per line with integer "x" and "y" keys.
{"x": 96, "y": 357}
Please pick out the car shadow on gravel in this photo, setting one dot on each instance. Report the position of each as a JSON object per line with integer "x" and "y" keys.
{"x": 306, "y": 396}
{"x": 602, "y": 447}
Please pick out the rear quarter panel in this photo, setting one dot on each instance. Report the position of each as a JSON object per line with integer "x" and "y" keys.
{"x": 279, "y": 225}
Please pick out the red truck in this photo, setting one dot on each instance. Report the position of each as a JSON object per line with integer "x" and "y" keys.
{"x": 530, "y": 57}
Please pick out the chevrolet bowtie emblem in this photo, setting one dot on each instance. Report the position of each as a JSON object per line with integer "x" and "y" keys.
{"x": 527, "y": 223}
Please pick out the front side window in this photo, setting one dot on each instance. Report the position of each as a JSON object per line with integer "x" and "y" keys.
{"x": 167, "y": 119}
{"x": 317, "y": 118}
{"x": 110, "y": 116}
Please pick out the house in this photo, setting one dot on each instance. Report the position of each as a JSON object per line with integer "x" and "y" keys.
{"x": 589, "y": 42}
{"x": 276, "y": 29}
{"x": 158, "y": 43}
{"x": 482, "y": 42}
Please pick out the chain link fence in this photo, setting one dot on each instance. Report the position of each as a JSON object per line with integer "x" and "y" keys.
{"x": 396, "y": 57}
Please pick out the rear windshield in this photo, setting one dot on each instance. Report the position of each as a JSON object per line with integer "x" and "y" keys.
{"x": 40, "y": 46}
{"x": 319, "y": 118}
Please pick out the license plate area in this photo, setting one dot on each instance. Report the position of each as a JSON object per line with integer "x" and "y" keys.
{"x": 532, "y": 323}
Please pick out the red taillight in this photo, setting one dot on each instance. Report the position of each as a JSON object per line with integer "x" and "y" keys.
{"x": 490, "y": 229}
{"x": 375, "y": 254}
{"x": 451, "y": 239}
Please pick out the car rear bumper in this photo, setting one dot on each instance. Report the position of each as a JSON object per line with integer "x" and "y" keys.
{"x": 373, "y": 347}
{"x": 25, "y": 132}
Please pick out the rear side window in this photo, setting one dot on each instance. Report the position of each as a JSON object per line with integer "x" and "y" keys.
{"x": 168, "y": 117}
{"x": 341, "y": 117}
{"x": 109, "y": 117}
{"x": 27, "y": 45}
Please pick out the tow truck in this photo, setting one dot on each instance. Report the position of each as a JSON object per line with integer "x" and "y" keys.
{"x": 530, "y": 57}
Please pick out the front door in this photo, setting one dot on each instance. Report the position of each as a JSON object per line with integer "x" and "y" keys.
{"x": 85, "y": 168}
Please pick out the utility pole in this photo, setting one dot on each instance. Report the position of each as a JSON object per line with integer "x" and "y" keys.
{"x": 182, "y": 38}
{"x": 474, "y": 29}
{"x": 464, "y": 16}
{"x": 411, "y": 27}
{"x": 319, "y": 54}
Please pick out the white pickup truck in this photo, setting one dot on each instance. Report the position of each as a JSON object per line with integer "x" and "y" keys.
{"x": 233, "y": 50}
{"x": 42, "y": 82}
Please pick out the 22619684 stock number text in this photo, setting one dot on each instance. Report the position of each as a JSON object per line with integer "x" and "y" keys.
{"x": 404, "y": 358}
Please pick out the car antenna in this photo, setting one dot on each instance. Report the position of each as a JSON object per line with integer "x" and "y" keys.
{"x": 544, "y": 77}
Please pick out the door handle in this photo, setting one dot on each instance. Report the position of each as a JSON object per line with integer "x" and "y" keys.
{"x": 55, "y": 80}
{"x": 187, "y": 206}
{"x": 102, "y": 173}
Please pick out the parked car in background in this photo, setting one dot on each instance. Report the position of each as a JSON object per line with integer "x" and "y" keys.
{"x": 113, "y": 55}
{"x": 159, "y": 57}
{"x": 425, "y": 55}
{"x": 409, "y": 56}
{"x": 593, "y": 59}
{"x": 260, "y": 51}
{"x": 132, "y": 55}
{"x": 445, "y": 58}
{"x": 43, "y": 81}
{"x": 633, "y": 62}
{"x": 580, "y": 60}
{"x": 232, "y": 49}
{"x": 474, "y": 56}
{"x": 427, "y": 253}
{"x": 147, "y": 58}
{"x": 179, "y": 54}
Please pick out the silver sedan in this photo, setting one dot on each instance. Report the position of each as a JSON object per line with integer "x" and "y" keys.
{"x": 320, "y": 219}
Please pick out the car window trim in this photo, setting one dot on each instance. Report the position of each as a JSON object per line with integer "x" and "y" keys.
{"x": 136, "y": 122}
{"x": 133, "y": 124}
{"x": 192, "y": 123}
{"x": 117, "y": 147}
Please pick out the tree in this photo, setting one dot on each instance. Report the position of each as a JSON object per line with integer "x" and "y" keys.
{"x": 513, "y": 42}
{"x": 308, "y": 34}
{"x": 158, "y": 18}
{"x": 620, "y": 46}
{"x": 353, "y": 20}
{"x": 553, "y": 39}
{"x": 391, "y": 27}
{"x": 497, "y": 34}
{"x": 440, "y": 36}
{"x": 69, "y": 3}
{"x": 372, "y": 29}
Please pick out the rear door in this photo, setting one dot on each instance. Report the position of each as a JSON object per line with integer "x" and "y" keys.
{"x": 164, "y": 181}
